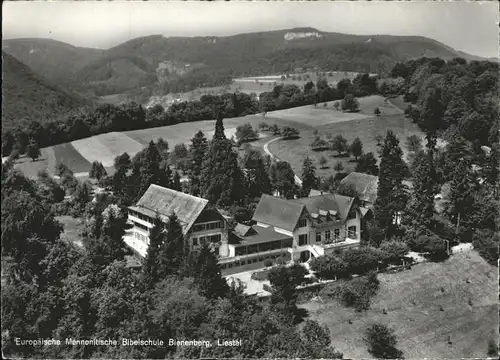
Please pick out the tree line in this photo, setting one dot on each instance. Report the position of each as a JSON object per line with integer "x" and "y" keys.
{"x": 132, "y": 116}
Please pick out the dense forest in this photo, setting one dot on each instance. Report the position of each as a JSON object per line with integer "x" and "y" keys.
{"x": 27, "y": 97}
{"x": 132, "y": 64}
{"x": 455, "y": 97}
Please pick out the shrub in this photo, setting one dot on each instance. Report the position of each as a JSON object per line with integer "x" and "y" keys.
{"x": 382, "y": 342}
{"x": 362, "y": 260}
{"x": 245, "y": 133}
{"x": 356, "y": 293}
{"x": 377, "y": 111}
{"x": 432, "y": 246}
{"x": 263, "y": 126}
{"x": 350, "y": 103}
{"x": 268, "y": 262}
{"x": 329, "y": 267}
{"x": 290, "y": 133}
{"x": 395, "y": 251}
{"x": 275, "y": 129}
{"x": 486, "y": 243}
{"x": 492, "y": 348}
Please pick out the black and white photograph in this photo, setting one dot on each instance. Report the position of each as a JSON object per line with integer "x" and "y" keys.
{"x": 250, "y": 179}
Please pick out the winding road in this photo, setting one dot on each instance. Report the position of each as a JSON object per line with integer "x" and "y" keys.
{"x": 274, "y": 157}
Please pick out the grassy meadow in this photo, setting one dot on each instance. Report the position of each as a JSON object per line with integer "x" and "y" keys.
{"x": 413, "y": 301}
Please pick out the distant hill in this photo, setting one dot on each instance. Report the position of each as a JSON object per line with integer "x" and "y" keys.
{"x": 27, "y": 96}
{"x": 215, "y": 60}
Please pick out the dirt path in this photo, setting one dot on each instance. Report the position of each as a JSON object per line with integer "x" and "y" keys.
{"x": 274, "y": 157}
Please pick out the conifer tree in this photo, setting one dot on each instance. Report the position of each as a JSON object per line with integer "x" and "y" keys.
{"x": 33, "y": 151}
{"x": 256, "y": 174}
{"x": 197, "y": 151}
{"x": 462, "y": 188}
{"x": 367, "y": 164}
{"x": 156, "y": 239}
{"x": 283, "y": 179}
{"x": 421, "y": 207}
{"x": 97, "y": 171}
{"x": 391, "y": 192}
{"x": 150, "y": 172}
{"x": 207, "y": 274}
{"x": 173, "y": 251}
{"x": 309, "y": 178}
{"x": 221, "y": 177}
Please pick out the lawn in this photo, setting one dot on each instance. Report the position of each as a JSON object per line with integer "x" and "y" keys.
{"x": 31, "y": 168}
{"x": 413, "y": 299}
{"x": 184, "y": 132}
{"x": 320, "y": 115}
{"x": 294, "y": 151}
{"x": 68, "y": 155}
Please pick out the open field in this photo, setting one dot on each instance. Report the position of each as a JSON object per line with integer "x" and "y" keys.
{"x": 294, "y": 151}
{"x": 106, "y": 147}
{"x": 78, "y": 155}
{"x": 413, "y": 299}
{"x": 321, "y": 115}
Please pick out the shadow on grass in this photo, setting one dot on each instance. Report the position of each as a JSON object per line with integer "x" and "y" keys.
{"x": 300, "y": 315}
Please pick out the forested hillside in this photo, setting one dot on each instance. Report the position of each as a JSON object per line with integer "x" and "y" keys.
{"x": 133, "y": 64}
{"x": 457, "y": 97}
{"x": 28, "y": 97}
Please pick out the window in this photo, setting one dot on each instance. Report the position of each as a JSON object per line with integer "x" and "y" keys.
{"x": 229, "y": 266}
{"x": 302, "y": 223}
{"x": 195, "y": 241}
{"x": 254, "y": 260}
{"x": 243, "y": 263}
{"x": 318, "y": 237}
{"x": 327, "y": 236}
{"x": 352, "y": 232}
{"x": 336, "y": 235}
{"x": 352, "y": 214}
{"x": 208, "y": 226}
{"x": 302, "y": 239}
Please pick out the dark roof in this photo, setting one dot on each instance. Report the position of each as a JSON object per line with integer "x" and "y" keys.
{"x": 167, "y": 201}
{"x": 262, "y": 234}
{"x": 366, "y": 185}
{"x": 339, "y": 203}
{"x": 278, "y": 212}
{"x": 242, "y": 230}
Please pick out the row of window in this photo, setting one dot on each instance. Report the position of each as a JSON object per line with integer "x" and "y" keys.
{"x": 257, "y": 248}
{"x": 209, "y": 238}
{"x": 141, "y": 237}
{"x": 331, "y": 237}
{"x": 208, "y": 226}
{"x": 250, "y": 261}
{"x": 140, "y": 226}
{"x": 140, "y": 216}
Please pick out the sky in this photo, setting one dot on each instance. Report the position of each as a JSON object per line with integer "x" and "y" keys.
{"x": 464, "y": 25}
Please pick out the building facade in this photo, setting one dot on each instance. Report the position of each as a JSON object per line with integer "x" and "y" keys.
{"x": 200, "y": 222}
{"x": 282, "y": 230}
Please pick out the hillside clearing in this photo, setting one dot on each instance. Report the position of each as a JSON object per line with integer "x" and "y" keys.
{"x": 413, "y": 299}
{"x": 320, "y": 115}
{"x": 294, "y": 151}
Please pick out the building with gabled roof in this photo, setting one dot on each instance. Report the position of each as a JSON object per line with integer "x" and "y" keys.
{"x": 317, "y": 224}
{"x": 200, "y": 222}
{"x": 366, "y": 186}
